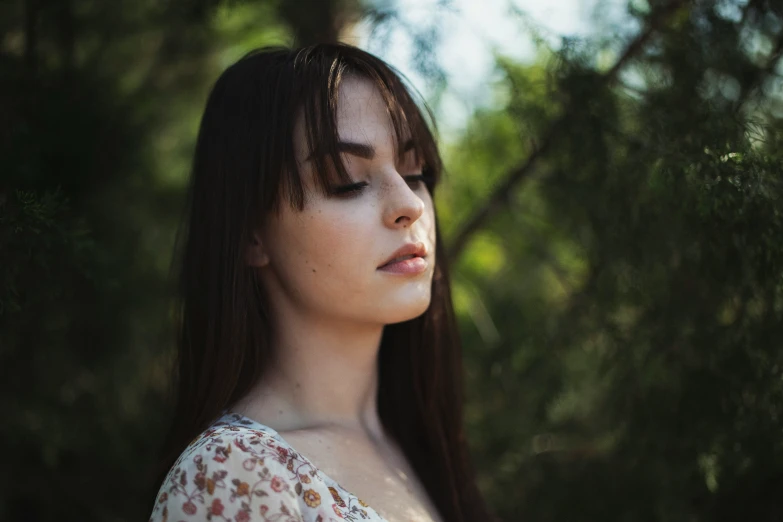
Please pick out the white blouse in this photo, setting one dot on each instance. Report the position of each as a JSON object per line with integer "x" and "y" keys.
{"x": 240, "y": 470}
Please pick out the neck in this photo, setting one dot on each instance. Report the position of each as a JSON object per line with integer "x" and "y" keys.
{"x": 322, "y": 376}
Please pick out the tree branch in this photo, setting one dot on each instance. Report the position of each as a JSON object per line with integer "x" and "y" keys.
{"x": 501, "y": 193}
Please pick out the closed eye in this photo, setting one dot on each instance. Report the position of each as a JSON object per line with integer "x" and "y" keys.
{"x": 356, "y": 188}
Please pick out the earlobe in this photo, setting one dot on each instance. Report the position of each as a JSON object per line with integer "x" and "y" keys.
{"x": 255, "y": 254}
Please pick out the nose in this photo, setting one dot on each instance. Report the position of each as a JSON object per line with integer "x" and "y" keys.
{"x": 402, "y": 204}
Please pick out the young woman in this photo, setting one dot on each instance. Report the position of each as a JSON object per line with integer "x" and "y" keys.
{"x": 319, "y": 371}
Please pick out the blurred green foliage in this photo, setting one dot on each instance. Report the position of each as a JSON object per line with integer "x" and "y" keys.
{"x": 621, "y": 303}
{"x": 100, "y": 105}
{"x": 622, "y": 312}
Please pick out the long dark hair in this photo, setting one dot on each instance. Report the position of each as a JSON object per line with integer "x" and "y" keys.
{"x": 245, "y": 168}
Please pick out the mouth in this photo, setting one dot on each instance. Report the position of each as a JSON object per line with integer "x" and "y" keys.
{"x": 406, "y": 253}
{"x": 409, "y": 264}
{"x": 399, "y": 259}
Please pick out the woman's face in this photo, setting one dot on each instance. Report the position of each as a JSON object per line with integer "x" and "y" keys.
{"x": 323, "y": 262}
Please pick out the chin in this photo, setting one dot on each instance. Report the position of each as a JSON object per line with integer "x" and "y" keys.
{"x": 406, "y": 313}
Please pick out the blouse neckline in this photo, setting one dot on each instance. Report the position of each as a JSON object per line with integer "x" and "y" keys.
{"x": 237, "y": 419}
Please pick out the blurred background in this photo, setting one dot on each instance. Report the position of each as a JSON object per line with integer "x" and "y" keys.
{"x": 612, "y": 206}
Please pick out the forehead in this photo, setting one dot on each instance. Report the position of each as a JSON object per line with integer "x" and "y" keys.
{"x": 361, "y": 110}
{"x": 362, "y": 117}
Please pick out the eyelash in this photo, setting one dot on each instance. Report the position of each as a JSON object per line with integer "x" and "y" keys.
{"x": 349, "y": 190}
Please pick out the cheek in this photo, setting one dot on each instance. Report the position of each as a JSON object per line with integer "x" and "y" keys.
{"x": 333, "y": 243}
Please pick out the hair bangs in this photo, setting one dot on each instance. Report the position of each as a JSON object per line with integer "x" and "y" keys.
{"x": 407, "y": 120}
{"x": 318, "y": 74}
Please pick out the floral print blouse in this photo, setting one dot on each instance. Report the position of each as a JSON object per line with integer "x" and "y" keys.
{"x": 239, "y": 470}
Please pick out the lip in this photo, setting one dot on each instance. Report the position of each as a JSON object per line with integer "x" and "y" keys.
{"x": 414, "y": 265}
{"x": 418, "y": 249}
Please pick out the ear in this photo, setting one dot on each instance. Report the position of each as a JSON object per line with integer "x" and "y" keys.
{"x": 255, "y": 254}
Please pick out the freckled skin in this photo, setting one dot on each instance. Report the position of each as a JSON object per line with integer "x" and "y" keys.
{"x": 345, "y": 240}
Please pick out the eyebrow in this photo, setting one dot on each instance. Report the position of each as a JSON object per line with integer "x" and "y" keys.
{"x": 362, "y": 150}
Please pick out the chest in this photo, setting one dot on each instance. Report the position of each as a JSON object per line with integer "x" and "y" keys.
{"x": 379, "y": 475}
